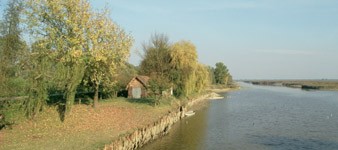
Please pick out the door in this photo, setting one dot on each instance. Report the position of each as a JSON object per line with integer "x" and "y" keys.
{"x": 136, "y": 92}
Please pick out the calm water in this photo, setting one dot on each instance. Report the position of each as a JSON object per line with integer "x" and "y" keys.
{"x": 259, "y": 117}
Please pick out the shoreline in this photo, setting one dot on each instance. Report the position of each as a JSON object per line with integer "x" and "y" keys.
{"x": 223, "y": 90}
{"x": 89, "y": 128}
{"x": 324, "y": 85}
{"x": 141, "y": 136}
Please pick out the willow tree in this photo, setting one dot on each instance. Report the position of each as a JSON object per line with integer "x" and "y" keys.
{"x": 183, "y": 63}
{"x": 108, "y": 51}
{"x": 202, "y": 78}
{"x": 63, "y": 26}
{"x": 211, "y": 71}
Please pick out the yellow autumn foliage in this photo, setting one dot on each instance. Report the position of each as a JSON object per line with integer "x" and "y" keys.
{"x": 86, "y": 43}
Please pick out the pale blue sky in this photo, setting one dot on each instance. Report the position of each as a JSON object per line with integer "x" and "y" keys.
{"x": 256, "y": 39}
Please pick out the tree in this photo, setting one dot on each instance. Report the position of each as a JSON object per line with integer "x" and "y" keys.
{"x": 40, "y": 78}
{"x": 173, "y": 66}
{"x": 85, "y": 46}
{"x": 156, "y": 62}
{"x": 158, "y": 84}
{"x": 221, "y": 74}
{"x": 183, "y": 67}
{"x": 202, "y": 78}
{"x": 12, "y": 50}
{"x": 156, "y": 56}
{"x": 211, "y": 71}
{"x": 63, "y": 26}
{"x": 108, "y": 52}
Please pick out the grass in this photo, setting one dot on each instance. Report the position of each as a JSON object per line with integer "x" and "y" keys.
{"x": 218, "y": 88}
{"x": 84, "y": 128}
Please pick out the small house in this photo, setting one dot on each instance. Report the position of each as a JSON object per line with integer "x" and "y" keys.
{"x": 137, "y": 87}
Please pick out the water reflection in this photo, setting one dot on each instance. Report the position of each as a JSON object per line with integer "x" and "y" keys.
{"x": 190, "y": 131}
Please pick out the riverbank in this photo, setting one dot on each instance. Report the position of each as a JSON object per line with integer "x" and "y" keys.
{"x": 331, "y": 85}
{"x": 259, "y": 117}
{"x": 222, "y": 88}
{"x": 152, "y": 131}
{"x": 88, "y": 128}
{"x": 161, "y": 127}
{"x": 84, "y": 128}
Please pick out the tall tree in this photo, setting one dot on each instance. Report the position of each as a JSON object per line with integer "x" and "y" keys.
{"x": 84, "y": 45}
{"x": 221, "y": 73}
{"x": 173, "y": 65}
{"x": 156, "y": 62}
{"x": 202, "y": 78}
{"x": 63, "y": 26}
{"x": 108, "y": 52}
{"x": 12, "y": 48}
{"x": 12, "y": 55}
{"x": 211, "y": 71}
{"x": 40, "y": 78}
{"x": 156, "y": 56}
{"x": 183, "y": 64}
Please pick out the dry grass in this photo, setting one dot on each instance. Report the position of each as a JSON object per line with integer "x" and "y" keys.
{"x": 222, "y": 88}
{"x": 84, "y": 128}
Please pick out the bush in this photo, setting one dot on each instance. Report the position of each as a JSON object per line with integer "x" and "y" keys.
{"x": 10, "y": 112}
{"x": 13, "y": 87}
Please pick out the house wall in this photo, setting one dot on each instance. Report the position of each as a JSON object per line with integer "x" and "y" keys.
{"x": 135, "y": 84}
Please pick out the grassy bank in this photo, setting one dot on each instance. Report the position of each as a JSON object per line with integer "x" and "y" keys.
{"x": 222, "y": 88}
{"x": 85, "y": 127}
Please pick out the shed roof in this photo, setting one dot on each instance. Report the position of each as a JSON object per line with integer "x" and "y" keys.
{"x": 142, "y": 79}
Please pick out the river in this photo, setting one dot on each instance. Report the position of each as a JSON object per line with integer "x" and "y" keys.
{"x": 259, "y": 117}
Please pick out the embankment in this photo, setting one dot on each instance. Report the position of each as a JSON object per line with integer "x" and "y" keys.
{"x": 141, "y": 136}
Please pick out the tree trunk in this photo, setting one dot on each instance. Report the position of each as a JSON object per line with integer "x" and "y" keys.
{"x": 96, "y": 95}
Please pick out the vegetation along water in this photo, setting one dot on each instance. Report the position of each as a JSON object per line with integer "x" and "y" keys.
{"x": 66, "y": 83}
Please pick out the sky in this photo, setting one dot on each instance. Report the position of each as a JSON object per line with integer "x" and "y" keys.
{"x": 256, "y": 39}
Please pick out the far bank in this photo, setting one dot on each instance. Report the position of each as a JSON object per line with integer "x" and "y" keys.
{"x": 331, "y": 85}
